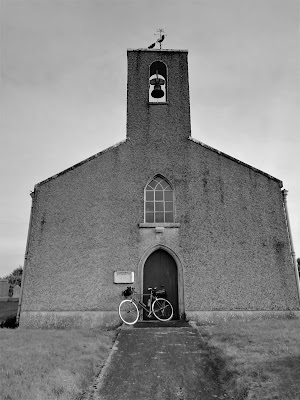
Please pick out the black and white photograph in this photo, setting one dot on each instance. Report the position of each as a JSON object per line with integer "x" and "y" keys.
{"x": 150, "y": 213}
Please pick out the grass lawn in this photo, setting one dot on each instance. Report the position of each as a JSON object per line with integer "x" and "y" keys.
{"x": 50, "y": 364}
{"x": 258, "y": 359}
{"x": 254, "y": 360}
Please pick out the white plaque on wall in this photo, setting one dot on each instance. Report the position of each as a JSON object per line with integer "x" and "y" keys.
{"x": 123, "y": 277}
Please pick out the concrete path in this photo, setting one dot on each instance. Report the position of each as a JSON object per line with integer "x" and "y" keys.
{"x": 158, "y": 363}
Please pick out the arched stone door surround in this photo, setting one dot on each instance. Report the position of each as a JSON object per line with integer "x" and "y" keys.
{"x": 179, "y": 272}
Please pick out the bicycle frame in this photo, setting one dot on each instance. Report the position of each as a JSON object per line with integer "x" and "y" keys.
{"x": 130, "y": 308}
{"x": 143, "y": 305}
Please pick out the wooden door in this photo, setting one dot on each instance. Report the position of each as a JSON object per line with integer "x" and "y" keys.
{"x": 161, "y": 269}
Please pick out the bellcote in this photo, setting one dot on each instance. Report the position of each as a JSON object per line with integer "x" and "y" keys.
{"x": 158, "y": 104}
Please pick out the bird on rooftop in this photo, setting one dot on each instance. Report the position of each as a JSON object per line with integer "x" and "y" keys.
{"x": 161, "y": 39}
{"x": 151, "y": 45}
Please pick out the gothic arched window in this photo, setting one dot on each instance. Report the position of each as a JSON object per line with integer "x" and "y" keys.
{"x": 159, "y": 201}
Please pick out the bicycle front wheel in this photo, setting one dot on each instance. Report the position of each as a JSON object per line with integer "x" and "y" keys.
{"x": 128, "y": 312}
{"x": 162, "y": 309}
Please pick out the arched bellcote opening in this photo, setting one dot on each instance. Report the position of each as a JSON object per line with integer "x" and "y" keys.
{"x": 158, "y": 82}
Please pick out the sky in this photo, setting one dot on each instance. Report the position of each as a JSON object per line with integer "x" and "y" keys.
{"x": 63, "y": 89}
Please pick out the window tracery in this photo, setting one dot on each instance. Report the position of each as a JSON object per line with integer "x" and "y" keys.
{"x": 159, "y": 201}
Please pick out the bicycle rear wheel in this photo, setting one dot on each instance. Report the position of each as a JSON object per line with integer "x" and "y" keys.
{"x": 162, "y": 309}
{"x": 128, "y": 312}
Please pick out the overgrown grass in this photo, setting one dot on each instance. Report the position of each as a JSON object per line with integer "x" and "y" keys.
{"x": 50, "y": 364}
{"x": 257, "y": 359}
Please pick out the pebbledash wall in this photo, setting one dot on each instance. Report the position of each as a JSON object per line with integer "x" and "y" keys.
{"x": 229, "y": 239}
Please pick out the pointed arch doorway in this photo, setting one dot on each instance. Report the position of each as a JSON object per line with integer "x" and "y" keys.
{"x": 160, "y": 269}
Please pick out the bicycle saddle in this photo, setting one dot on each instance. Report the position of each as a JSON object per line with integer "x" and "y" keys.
{"x": 150, "y": 288}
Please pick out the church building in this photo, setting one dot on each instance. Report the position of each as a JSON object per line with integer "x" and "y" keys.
{"x": 158, "y": 209}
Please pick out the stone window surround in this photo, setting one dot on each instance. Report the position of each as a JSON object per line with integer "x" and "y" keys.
{"x": 159, "y": 224}
{"x": 154, "y": 103}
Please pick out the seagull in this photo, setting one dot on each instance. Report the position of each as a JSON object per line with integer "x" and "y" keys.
{"x": 161, "y": 39}
{"x": 152, "y": 45}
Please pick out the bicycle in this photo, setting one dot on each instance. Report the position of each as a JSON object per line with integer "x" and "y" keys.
{"x": 129, "y": 308}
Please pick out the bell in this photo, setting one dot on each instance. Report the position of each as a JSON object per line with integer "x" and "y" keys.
{"x": 157, "y": 92}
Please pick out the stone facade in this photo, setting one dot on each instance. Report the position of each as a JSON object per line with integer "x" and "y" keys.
{"x": 229, "y": 238}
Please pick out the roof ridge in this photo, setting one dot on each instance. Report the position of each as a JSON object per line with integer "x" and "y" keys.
{"x": 236, "y": 160}
{"x": 81, "y": 163}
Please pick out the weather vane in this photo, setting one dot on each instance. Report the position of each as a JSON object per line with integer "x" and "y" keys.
{"x": 162, "y": 35}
